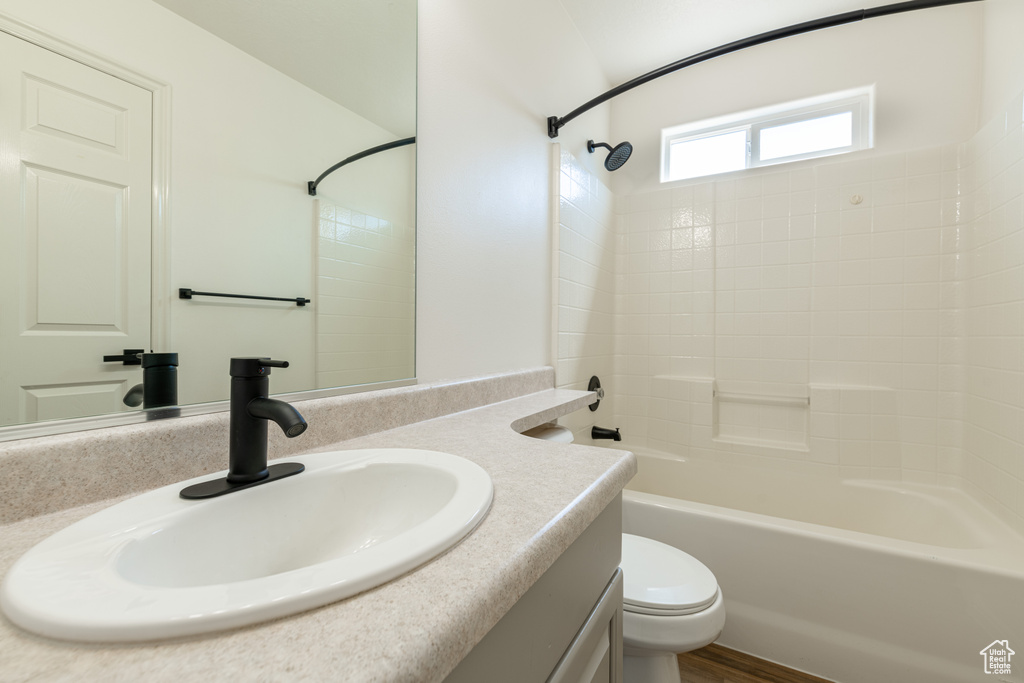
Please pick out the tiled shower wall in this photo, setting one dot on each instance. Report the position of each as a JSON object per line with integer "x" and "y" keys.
{"x": 365, "y": 300}
{"x": 857, "y": 316}
{"x": 793, "y": 315}
{"x": 586, "y": 249}
{"x": 994, "y": 252}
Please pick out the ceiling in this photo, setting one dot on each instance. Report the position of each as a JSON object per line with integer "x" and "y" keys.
{"x": 360, "y": 54}
{"x": 631, "y": 37}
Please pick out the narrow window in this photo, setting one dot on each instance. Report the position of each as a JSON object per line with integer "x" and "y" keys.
{"x": 825, "y": 133}
{"x": 806, "y": 129}
{"x": 708, "y": 154}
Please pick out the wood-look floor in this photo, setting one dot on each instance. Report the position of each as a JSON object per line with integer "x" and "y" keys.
{"x": 717, "y": 664}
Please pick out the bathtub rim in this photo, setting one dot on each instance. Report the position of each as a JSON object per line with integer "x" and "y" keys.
{"x": 1003, "y": 555}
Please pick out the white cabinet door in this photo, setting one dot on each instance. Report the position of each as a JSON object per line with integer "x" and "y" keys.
{"x": 75, "y": 226}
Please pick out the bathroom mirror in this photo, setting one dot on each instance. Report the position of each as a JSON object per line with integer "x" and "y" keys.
{"x": 158, "y": 146}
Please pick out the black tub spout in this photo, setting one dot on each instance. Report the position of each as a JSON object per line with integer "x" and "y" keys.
{"x": 602, "y": 433}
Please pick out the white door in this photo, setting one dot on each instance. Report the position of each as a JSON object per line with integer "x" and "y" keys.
{"x": 75, "y": 215}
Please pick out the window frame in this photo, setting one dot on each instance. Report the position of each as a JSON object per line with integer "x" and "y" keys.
{"x": 858, "y": 102}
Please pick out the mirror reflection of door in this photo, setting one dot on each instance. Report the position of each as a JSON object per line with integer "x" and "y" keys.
{"x": 75, "y": 225}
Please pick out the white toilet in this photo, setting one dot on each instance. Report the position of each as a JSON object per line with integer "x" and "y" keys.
{"x": 671, "y": 604}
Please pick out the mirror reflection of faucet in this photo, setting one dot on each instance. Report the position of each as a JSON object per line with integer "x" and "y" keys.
{"x": 159, "y": 387}
{"x": 250, "y": 411}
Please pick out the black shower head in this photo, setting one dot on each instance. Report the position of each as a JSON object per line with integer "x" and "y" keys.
{"x": 617, "y": 156}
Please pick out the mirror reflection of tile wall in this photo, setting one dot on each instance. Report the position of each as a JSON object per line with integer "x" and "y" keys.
{"x": 365, "y": 298}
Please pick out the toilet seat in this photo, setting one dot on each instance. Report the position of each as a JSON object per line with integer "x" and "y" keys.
{"x": 661, "y": 580}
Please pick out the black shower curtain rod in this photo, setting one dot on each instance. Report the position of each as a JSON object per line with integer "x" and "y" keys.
{"x": 554, "y": 123}
{"x": 356, "y": 157}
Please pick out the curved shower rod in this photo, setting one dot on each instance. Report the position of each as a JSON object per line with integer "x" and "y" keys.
{"x": 554, "y": 122}
{"x": 356, "y": 157}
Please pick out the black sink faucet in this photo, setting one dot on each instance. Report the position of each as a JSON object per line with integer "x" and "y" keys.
{"x": 250, "y": 411}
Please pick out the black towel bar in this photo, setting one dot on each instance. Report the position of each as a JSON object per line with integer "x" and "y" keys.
{"x": 186, "y": 293}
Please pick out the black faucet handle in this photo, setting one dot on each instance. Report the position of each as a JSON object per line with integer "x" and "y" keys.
{"x": 254, "y": 366}
{"x": 129, "y": 357}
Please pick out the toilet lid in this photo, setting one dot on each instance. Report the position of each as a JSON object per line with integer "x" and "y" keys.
{"x": 660, "y": 579}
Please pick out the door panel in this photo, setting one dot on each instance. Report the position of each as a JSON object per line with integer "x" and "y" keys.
{"x": 61, "y": 401}
{"x": 75, "y": 225}
{"x": 77, "y": 228}
{"x": 73, "y": 116}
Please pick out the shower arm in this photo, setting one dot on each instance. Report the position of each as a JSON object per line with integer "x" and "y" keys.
{"x": 554, "y": 122}
{"x": 311, "y": 185}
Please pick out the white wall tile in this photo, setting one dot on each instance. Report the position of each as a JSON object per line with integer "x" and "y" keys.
{"x": 889, "y": 291}
{"x": 364, "y": 320}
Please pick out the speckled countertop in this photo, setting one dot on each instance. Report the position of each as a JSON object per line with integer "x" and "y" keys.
{"x": 415, "y": 628}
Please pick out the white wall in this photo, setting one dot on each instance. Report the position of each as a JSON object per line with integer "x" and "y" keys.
{"x": 925, "y": 65}
{"x": 244, "y": 141}
{"x": 490, "y": 73}
{"x": 1003, "y": 54}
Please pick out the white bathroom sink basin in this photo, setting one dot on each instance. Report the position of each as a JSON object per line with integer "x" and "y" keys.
{"x": 158, "y": 566}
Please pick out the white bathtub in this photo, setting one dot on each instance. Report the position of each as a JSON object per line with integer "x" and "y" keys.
{"x": 855, "y": 581}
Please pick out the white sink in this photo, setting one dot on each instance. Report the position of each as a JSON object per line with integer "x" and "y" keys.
{"x": 158, "y": 566}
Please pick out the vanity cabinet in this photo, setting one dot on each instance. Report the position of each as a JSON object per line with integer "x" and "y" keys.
{"x": 567, "y": 628}
{"x": 595, "y": 655}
